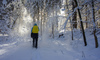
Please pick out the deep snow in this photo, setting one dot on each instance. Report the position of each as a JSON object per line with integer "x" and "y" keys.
{"x": 50, "y": 49}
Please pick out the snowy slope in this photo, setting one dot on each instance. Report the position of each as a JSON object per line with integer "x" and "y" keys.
{"x": 50, "y": 49}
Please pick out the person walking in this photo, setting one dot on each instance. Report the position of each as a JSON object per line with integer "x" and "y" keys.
{"x": 34, "y": 35}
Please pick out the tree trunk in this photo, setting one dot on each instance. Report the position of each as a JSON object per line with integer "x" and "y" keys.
{"x": 81, "y": 24}
{"x": 53, "y": 25}
{"x": 94, "y": 26}
{"x": 74, "y": 16}
{"x": 86, "y": 17}
{"x": 52, "y": 30}
{"x": 56, "y": 18}
{"x": 70, "y": 21}
{"x": 41, "y": 21}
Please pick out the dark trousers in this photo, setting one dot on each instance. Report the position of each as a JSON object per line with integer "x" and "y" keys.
{"x": 35, "y": 42}
{"x": 35, "y": 39}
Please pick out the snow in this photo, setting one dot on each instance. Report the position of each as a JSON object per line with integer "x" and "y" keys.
{"x": 50, "y": 49}
{"x": 98, "y": 0}
{"x": 16, "y": 43}
{"x": 4, "y": 2}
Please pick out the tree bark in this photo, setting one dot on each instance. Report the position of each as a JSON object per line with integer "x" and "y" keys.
{"x": 86, "y": 17}
{"x": 94, "y": 26}
{"x": 70, "y": 20}
{"x": 81, "y": 24}
{"x": 74, "y": 16}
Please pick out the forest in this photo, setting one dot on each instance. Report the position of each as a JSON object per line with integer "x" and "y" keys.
{"x": 55, "y": 18}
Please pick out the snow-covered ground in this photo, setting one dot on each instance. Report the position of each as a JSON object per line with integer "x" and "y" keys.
{"x": 50, "y": 49}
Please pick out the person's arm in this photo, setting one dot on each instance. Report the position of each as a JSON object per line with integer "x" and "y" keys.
{"x": 31, "y": 29}
{"x": 38, "y": 28}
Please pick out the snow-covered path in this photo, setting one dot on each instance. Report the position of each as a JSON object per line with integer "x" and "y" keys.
{"x": 47, "y": 50}
{"x": 58, "y": 49}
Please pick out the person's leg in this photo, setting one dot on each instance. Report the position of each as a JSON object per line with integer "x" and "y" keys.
{"x": 33, "y": 42}
{"x": 36, "y": 42}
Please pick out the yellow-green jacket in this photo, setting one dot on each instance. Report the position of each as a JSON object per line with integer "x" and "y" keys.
{"x": 35, "y": 29}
